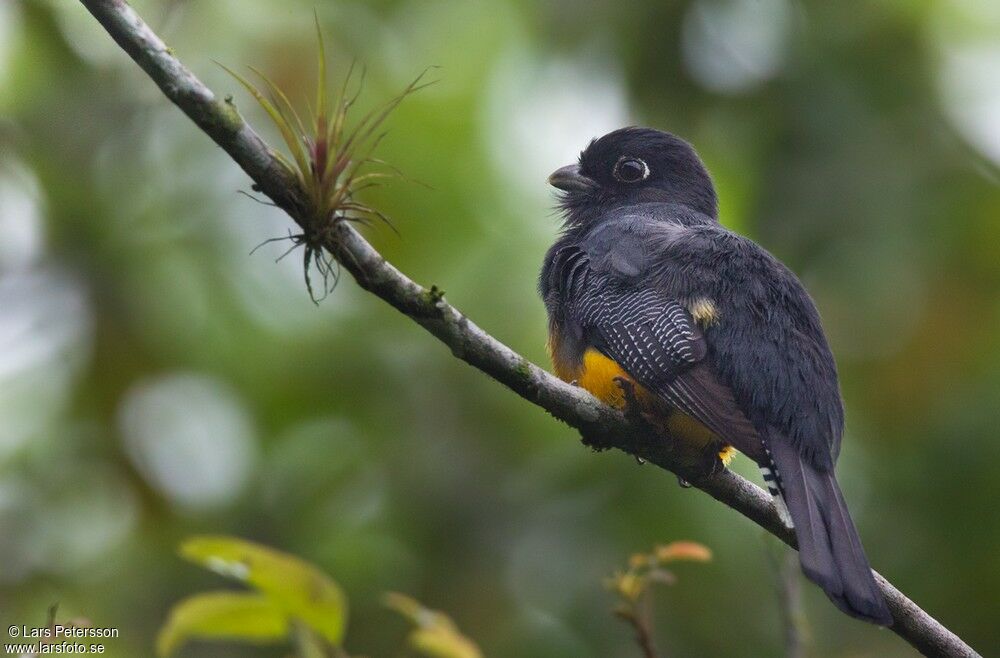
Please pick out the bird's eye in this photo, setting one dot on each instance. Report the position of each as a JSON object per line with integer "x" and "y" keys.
{"x": 630, "y": 170}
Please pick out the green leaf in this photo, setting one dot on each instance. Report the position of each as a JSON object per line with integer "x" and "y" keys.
{"x": 299, "y": 589}
{"x": 279, "y": 119}
{"x": 240, "y": 616}
{"x": 443, "y": 643}
{"x": 321, "y": 110}
{"x": 435, "y": 635}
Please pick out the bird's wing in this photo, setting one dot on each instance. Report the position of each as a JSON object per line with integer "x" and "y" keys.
{"x": 656, "y": 341}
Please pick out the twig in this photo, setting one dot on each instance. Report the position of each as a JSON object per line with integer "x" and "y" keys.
{"x": 220, "y": 120}
{"x": 639, "y": 621}
{"x": 788, "y": 586}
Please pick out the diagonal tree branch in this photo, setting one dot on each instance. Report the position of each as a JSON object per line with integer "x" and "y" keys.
{"x": 220, "y": 120}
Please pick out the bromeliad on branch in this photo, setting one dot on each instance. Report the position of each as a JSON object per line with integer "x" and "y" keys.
{"x": 331, "y": 159}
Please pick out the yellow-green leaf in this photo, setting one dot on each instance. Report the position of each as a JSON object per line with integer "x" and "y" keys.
{"x": 279, "y": 119}
{"x": 435, "y": 635}
{"x": 443, "y": 643}
{"x": 298, "y": 588}
{"x": 628, "y": 584}
{"x": 243, "y": 616}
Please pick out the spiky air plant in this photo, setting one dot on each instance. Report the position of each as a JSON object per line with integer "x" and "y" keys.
{"x": 331, "y": 158}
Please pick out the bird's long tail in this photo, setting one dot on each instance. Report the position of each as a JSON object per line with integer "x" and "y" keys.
{"x": 830, "y": 550}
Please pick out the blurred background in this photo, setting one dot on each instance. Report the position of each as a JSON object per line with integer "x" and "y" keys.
{"x": 156, "y": 381}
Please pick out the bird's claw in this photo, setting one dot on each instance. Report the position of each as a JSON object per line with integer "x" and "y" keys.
{"x": 642, "y": 421}
{"x": 708, "y": 464}
{"x": 711, "y": 464}
{"x": 631, "y": 407}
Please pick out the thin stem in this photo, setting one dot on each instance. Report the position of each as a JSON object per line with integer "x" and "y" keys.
{"x": 784, "y": 564}
{"x": 640, "y": 626}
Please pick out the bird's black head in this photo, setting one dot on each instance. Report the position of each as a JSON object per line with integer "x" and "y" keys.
{"x": 635, "y": 165}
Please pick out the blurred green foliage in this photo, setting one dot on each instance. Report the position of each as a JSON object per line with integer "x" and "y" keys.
{"x": 295, "y": 601}
{"x": 434, "y": 634}
{"x": 298, "y": 590}
{"x": 158, "y": 382}
{"x": 222, "y": 616}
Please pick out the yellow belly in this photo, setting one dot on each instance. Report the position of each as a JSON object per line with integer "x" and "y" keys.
{"x": 597, "y": 373}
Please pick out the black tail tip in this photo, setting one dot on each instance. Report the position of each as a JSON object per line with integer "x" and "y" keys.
{"x": 862, "y": 601}
{"x": 873, "y": 611}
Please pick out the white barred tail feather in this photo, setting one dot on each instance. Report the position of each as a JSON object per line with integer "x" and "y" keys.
{"x": 774, "y": 488}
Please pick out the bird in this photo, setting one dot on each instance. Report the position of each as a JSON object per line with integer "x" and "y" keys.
{"x": 653, "y": 303}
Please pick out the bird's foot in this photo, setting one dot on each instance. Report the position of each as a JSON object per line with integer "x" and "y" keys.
{"x": 631, "y": 404}
{"x": 710, "y": 463}
{"x": 642, "y": 423}
{"x": 631, "y": 407}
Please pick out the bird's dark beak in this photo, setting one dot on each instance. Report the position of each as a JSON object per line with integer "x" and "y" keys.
{"x": 570, "y": 179}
